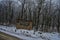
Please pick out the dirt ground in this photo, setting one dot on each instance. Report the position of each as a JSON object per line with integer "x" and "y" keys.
{"x": 4, "y": 36}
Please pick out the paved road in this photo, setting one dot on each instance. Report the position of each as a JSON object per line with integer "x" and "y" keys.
{"x": 4, "y": 36}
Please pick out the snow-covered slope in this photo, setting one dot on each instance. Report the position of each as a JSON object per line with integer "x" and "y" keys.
{"x": 29, "y": 34}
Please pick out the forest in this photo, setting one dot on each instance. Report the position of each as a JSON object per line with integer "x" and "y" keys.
{"x": 44, "y": 14}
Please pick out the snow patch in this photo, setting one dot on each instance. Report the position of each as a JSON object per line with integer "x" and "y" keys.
{"x": 29, "y": 34}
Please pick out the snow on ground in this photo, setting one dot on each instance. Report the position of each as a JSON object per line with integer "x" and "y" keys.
{"x": 28, "y": 34}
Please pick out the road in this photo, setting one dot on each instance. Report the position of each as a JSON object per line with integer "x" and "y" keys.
{"x": 4, "y": 36}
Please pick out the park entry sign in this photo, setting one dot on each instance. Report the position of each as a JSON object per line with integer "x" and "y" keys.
{"x": 24, "y": 24}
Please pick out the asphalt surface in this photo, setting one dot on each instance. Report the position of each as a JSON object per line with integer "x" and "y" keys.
{"x": 4, "y": 36}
